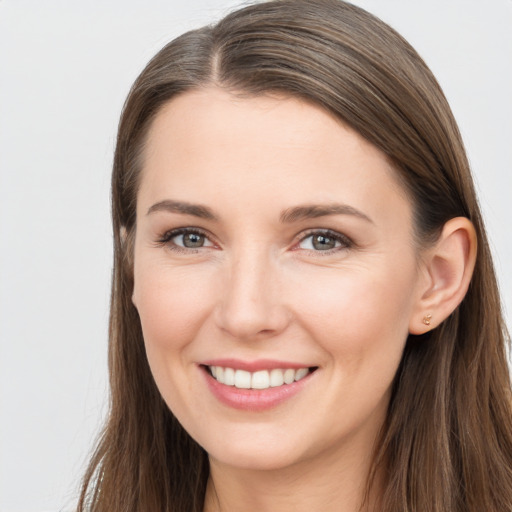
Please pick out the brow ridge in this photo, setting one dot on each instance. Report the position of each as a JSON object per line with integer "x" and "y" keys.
{"x": 313, "y": 211}
{"x": 169, "y": 205}
{"x": 294, "y": 214}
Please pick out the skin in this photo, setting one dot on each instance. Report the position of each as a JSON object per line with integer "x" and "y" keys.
{"x": 258, "y": 288}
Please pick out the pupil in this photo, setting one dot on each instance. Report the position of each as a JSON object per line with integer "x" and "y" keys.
{"x": 323, "y": 243}
{"x": 193, "y": 240}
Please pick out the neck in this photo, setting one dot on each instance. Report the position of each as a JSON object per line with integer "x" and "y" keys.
{"x": 330, "y": 483}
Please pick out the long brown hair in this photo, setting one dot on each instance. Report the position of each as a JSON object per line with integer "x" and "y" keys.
{"x": 447, "y": 442}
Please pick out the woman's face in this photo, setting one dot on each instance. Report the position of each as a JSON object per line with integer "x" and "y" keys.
{"x": 274, "y": 248}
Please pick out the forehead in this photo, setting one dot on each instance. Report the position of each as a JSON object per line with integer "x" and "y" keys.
{"x": 281, "y": 148}
{"x": 211, "y": 115}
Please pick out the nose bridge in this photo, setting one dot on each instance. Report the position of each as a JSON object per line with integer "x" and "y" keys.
{"x": 251, "y": 303}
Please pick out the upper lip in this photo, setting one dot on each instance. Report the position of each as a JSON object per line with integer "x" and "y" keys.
{"x": 256, "y": 365}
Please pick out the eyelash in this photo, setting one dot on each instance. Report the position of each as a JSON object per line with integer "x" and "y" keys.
{"x": 165, "y": 239}
{"x": 344, "y": 241}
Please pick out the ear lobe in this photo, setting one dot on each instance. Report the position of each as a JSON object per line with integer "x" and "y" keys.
{"x": 449, "y": 266}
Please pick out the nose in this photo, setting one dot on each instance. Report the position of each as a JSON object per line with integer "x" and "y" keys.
{"x": 251, "y": 302}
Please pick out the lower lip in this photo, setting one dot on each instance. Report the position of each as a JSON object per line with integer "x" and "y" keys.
{"x": 254, "y": 399}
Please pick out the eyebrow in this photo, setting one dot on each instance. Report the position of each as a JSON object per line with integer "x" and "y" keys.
{"x": 302, "y": 212}
{"x": 312, "y": 211}
{"x": 185, "y": 208}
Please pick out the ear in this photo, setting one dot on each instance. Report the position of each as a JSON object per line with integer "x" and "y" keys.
{"x": 447, "y": 268}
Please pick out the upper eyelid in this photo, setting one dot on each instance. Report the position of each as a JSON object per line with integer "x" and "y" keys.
{"x": 171, "y": 233}
{"x": 324, "y": 231}
{"x": 165, "y": 240}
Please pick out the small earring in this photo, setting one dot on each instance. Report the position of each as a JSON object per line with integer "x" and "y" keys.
{"x": 427, "y": 318}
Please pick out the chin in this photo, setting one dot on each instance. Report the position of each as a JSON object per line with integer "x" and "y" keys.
{"x": 257, "y": 451}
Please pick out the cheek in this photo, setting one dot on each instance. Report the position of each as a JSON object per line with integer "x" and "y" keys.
{"x": 355, "y": 311}
{"x": 172, "y": 303}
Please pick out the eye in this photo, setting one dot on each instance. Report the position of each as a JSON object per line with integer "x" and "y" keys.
{"x": 190, "y": 240}
{"x": 324, "y": 241}
{"x": 185, "y": 238}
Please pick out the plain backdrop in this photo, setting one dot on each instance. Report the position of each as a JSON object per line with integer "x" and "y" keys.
{"x": 65, "y": 69}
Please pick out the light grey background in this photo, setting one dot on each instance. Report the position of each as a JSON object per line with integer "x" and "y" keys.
{"x": 65, "y": 69}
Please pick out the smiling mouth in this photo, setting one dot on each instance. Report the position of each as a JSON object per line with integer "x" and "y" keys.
{"x": 261, "y": 379}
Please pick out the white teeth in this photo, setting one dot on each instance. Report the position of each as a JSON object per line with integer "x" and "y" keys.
{"x": 289, "y": 376}
{"x": 301, "y": 373}
{"x": 242, "y": 379}
{"x": 229, "y": 376}
{"x": 262, "y": 379}
{"x": 276, "y": 378}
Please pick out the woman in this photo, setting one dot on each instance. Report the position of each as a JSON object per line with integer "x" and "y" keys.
{"x": 304, "y": 308}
